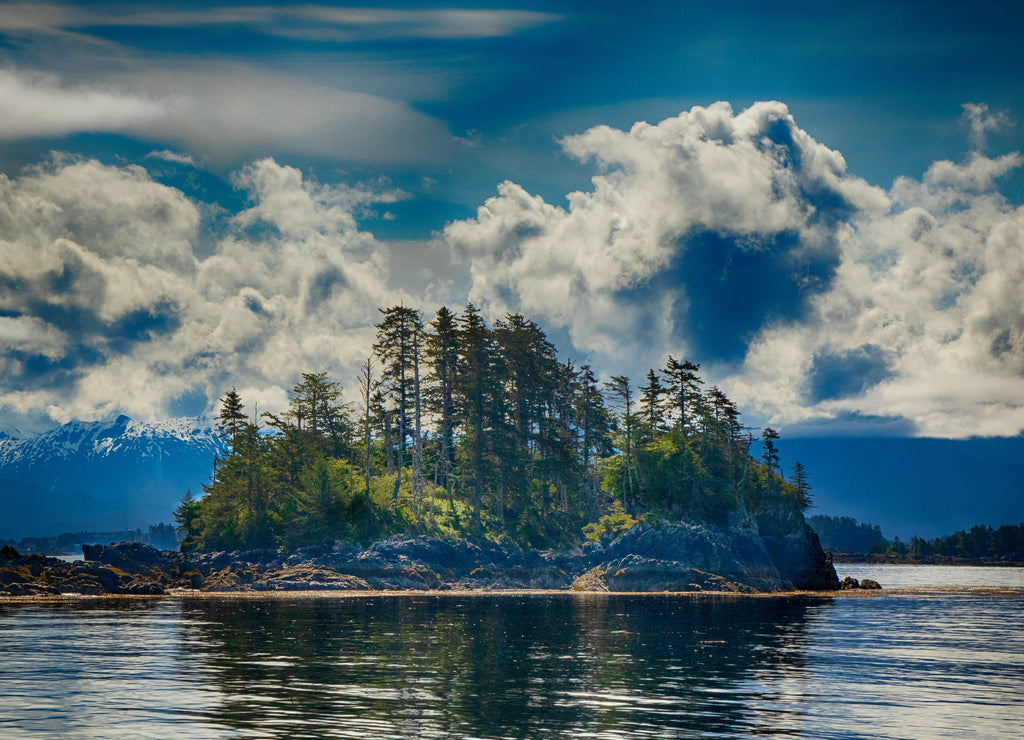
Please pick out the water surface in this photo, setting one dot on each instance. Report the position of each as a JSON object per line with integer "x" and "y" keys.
{"x": 594, "y": 666}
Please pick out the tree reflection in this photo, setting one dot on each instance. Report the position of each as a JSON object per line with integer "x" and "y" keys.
{"x": 488, "y": 666}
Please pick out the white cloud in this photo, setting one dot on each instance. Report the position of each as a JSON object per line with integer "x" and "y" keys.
{"x": 173, "y": 157}
{"x": 223, "y": 113}
{"x": 226, "y": 112}
{"x": 933, "y": 288}
{"x": 38, "y": 105}
{"x": 733, "y": 239}
{"x": 113, "y": 311}
{"x": 593, "y": 266}
{"x": 852, "y": 301}
{"x": 981, "y": 121}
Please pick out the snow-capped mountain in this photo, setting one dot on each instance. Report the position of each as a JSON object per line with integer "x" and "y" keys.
{"x": 102, "y": 475}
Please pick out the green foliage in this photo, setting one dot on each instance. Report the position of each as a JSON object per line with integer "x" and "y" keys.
{"x": 471, "y": 429}
{"x": 611, "y": 525}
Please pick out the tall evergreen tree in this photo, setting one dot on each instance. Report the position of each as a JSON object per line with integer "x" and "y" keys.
{"x": 368, "y": 386}
{"x": 802, "y": 486}
{"x": 231, "y": 417}
{"x": 476, "y": 391}
{"x": 651, "y": 404}
{"x": 620, "y": 389}
{"x": 442, "y": 351}
{"x": 397, "y": 347}
{"x": 683, "y": 390}
{"x": 770, "y": 458}
{"x": 594, "y": 425}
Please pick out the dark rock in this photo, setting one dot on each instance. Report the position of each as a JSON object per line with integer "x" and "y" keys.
{"x": 849, "y": 583}
{"x": 796, "y": 551}
{"x": 142, "y": 587}
{"x": 9, "y": 576}
{"x": 131, "y": 557}
{"x": 636, "y": 573}
{"x": 869, "y": 584}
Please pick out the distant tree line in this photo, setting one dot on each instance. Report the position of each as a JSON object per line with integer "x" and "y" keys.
{"x": 160, "y": 536}
{"x": 465, "y": 427}
{"x": 843, "y": 534}
{"x": 980, "y": 541}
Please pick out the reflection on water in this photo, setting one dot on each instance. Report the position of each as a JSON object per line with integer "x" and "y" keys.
{"x": 513, "y": 666}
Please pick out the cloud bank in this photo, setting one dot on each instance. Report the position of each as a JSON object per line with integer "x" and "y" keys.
{"x": 738, "y": 241}
{"x": 106, "y": 306}
{"x": 731, "y": 239}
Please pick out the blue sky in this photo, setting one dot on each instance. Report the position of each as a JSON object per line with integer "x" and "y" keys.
{"x": 820, "y": 203}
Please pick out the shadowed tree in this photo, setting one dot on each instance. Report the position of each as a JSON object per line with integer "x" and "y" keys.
{"x": 442, "y": 351}
{"x": 619, "y": 389}
{"x": 802, "y": 486}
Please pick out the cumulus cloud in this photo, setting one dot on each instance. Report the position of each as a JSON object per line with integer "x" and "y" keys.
{"x": 685, "y": 217}
{"x": 731, "y": 239}
{"x": 105, "y": 305}
{"x": 738, "y": 241}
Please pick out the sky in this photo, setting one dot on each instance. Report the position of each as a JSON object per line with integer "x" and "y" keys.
{"x": 821, "y": 203}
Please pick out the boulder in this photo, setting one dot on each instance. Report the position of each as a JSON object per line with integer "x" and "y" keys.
{"x": 592, "y": 580}
{"x": 131, "y": 557}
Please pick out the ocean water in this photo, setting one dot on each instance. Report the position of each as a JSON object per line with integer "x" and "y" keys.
{"x": 933, "y": 662}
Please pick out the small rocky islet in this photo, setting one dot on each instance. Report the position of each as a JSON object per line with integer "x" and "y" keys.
{"x": 666, "y": 557}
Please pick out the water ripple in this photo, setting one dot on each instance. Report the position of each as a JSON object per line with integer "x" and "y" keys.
{"x": 514, "y": 667}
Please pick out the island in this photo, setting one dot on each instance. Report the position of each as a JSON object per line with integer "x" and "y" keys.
{"x": 476, "y": 459}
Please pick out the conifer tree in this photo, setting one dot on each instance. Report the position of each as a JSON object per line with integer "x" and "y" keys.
{"x": 651, "y": 404}
{"x": 368, "y": 386}
{"x": 476, "y": 391}
{"x": 770, "y": 457}
{"x": 397, "y": 347}
{"x": 595, "y": 427}
{"x": 619, "y": 388}
{"x": 683, "y": 390}
{"x": 802, "y": 486}
{"x": 231, "y": 417}
{"x": 442, "y": 351}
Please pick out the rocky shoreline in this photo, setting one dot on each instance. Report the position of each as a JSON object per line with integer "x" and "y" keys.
{"x": 678, "y": 557}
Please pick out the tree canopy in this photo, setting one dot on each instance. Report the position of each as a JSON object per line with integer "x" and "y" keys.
{"x": 482, "y": 430}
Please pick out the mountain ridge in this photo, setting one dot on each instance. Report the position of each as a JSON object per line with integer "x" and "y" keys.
{"x": 119, "y": 473}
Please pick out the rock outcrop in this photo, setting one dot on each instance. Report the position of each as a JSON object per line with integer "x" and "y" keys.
{"x": 776, "y": 552}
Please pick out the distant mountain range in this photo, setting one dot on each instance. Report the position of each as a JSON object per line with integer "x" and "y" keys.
{"x": 101, "y": 475}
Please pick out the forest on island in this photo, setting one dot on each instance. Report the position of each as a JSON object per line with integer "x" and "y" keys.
{"x": 464, "y": 428}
